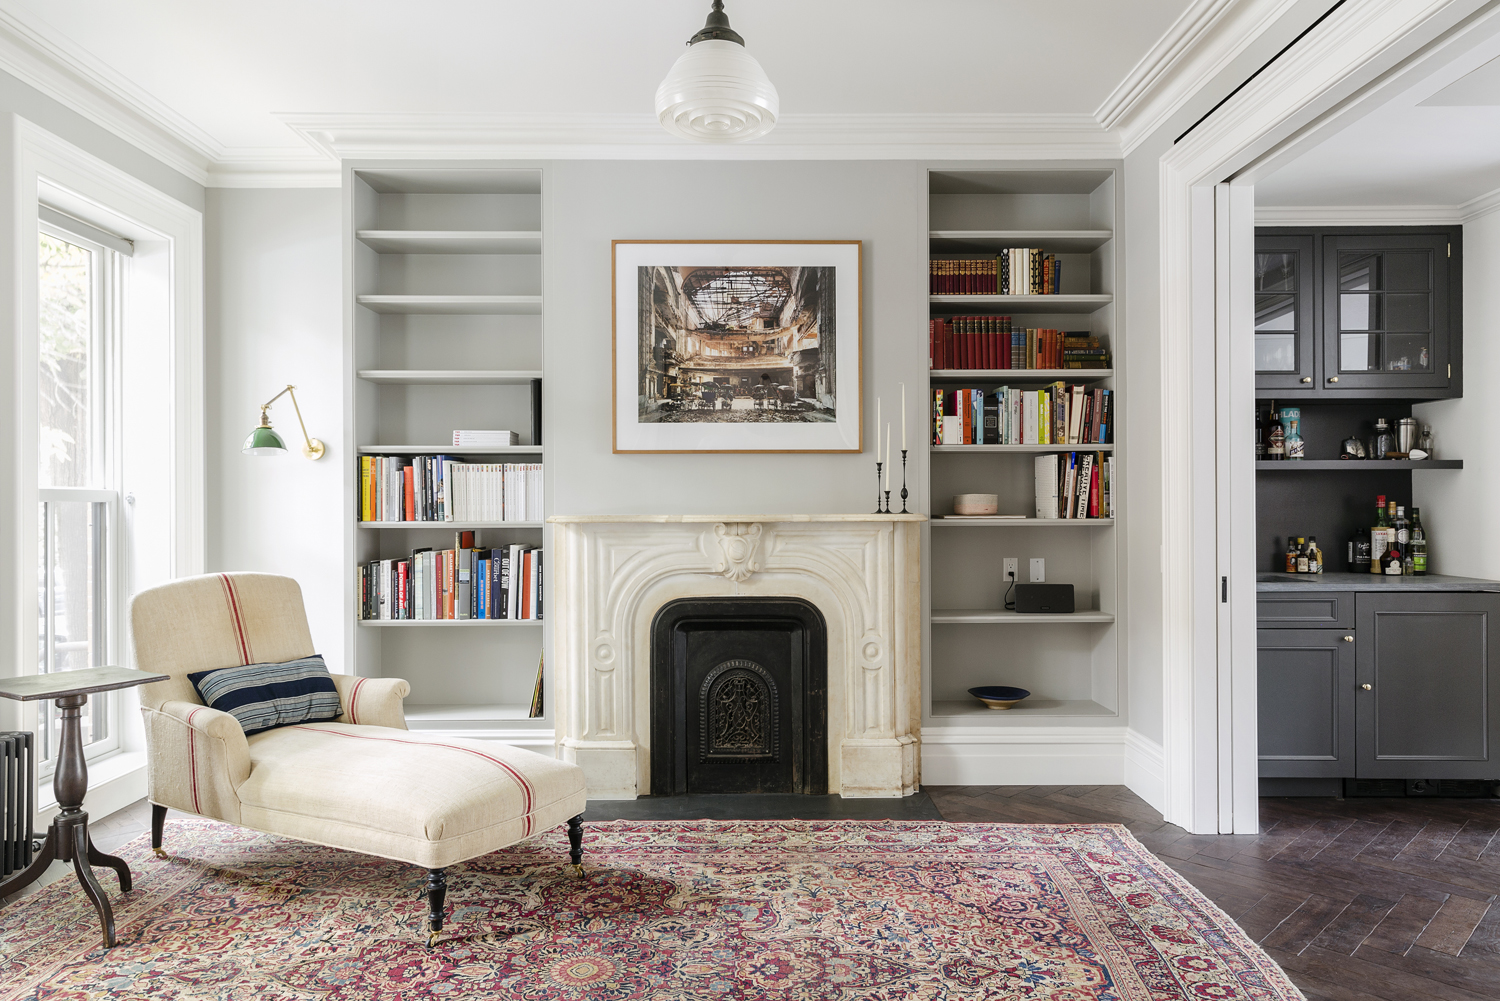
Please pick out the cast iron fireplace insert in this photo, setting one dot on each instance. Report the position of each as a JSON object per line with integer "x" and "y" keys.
{"x": 739, "y": 697}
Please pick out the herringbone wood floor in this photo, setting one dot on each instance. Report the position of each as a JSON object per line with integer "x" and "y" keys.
{"x": 1357, "y": 899}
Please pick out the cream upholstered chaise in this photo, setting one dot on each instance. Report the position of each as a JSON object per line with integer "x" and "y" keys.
{"x": 362, "y": 782}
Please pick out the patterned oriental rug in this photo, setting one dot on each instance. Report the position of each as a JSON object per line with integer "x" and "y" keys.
{"x": 729, "y": 910}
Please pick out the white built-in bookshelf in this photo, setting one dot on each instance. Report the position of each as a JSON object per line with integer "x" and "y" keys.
{"x": 1070, "y": 663}
{"x": 444, "y": 331}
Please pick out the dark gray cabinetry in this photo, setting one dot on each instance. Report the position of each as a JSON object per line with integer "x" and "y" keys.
{"x": 1398, "y": 685}
{"x": 1286, "y": 355}
{"x": 1432, "y": 708}
{"x": 1306, "y": 720}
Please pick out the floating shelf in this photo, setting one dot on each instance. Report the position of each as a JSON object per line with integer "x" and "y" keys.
{"x": 418, "y": 715}
{"x": 973, "y": 711}
{"x": 1352, "y": 465}
{"x": 1019, "y": 303}
{"x": 450, "y": 450}
{"x": 448, "y": 241}
{"x": 447, "y": 377}
{"x": 496, "y": 305}
{"x": 1023, "y": 448}
{"x": 1056, "y": 241}
{"x": 987, "y": 616}
{"x": 455, "y": 525}
{"x": 948, "y": 521}
{"x": 452, "y": 623}
{"x": 1019, "y": 374}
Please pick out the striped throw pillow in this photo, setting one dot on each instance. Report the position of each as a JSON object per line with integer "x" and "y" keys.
{"x": 265, "y": 696}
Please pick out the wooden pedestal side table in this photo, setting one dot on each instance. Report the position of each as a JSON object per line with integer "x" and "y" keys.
{"x": 68, "y": 837}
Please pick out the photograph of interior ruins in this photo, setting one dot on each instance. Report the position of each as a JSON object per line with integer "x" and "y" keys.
{"x": 737, "y": 344}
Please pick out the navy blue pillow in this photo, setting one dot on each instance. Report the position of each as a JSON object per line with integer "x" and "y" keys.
{"x": 265, "y": 696}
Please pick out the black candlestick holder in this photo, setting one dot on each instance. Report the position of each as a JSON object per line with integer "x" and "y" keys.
{"x": 878, "y": 465}
{"x": 887, "y": 502}
{"x": 903, "y": 483}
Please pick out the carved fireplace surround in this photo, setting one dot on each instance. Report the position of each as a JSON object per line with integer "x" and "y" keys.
{"x": 611, "y": 574}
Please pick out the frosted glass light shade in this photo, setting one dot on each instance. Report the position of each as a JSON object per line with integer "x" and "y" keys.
{"x": 716, "y": 92}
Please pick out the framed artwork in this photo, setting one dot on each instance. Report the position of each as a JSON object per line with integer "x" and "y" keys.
{"x": 737, "y": 346}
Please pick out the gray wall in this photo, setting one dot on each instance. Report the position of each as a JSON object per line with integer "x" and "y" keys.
{"x": 590, "y": 203}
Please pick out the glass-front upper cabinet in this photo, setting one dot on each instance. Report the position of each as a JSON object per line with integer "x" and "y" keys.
{"x": 1285, "y": 306}
{"x": 1386, "y": 311}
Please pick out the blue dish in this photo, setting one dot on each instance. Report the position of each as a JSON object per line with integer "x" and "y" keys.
{"x": 999, "y": 696}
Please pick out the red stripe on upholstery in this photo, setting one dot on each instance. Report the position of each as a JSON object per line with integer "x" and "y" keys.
{"x": 520, "y": 780}
{"x": 354, "y": 699}
{"x": 193, "y": 758}
{"x": 233, "y": 601}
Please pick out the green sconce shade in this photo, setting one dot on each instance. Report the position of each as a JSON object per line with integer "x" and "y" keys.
{"x": 264, "y": 441}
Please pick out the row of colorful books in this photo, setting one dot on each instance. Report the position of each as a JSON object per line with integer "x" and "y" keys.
{"x": 991, "y": 342}
{"x": 1015, "y": 271}
{"x": 465, "y": 582}
{"x": 1056, "y": 414}
{"x": 444, "y": 488}
{"x": 1075, "y": 485}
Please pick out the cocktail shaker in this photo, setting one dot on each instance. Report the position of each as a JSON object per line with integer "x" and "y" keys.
{"x": 1406, "y": 434}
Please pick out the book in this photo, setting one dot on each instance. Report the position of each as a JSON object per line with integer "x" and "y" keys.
{"x": 476, "y": 438}
{"x": 1046, "y": 485}
{"x": 535, "y": 711}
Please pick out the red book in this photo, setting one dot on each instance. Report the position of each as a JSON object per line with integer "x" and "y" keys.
{"x": 409, "y": 492}
{"x": 526, "y": 585}
{"x": 1094, "y": 491}
{"x": 401, "y": 611}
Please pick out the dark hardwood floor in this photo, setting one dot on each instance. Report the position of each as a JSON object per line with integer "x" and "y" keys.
{"x": 1358, "y": 899}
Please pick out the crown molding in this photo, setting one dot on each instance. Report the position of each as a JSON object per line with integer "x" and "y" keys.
{"x": 1198, "y": 46}
{"x": 294, "y": 168}
{"x": 640, "y": 137}
{"x": 1358, "y": 215}
{"x": 1485, "y": 204}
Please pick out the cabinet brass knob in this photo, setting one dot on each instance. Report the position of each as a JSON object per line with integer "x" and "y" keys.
{"x": 1348, "y": 639}
{"x": 1307, "y": 378}
{"x": 1333, "y": 378}
{"x": 1368, "y": 688}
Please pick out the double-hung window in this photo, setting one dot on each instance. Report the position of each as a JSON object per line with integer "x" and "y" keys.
{"x": 78, "y": 512}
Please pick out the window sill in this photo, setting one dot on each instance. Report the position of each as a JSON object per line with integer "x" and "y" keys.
{"x": 111, "y": 780}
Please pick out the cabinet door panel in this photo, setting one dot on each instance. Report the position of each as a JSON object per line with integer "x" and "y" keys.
{"x": 1433, "y": 708}
{"x": 1286, "y": 355}
{"x": 1304, "y": 609}
{"x": 1386, "y": 311}
{"x": 1306, "y": 714}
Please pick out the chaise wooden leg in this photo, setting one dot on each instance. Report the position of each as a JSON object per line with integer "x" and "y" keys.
{"x": 575, "y": 844}
{"x": 158, "y": 820}
{"x": 437, "y": 892}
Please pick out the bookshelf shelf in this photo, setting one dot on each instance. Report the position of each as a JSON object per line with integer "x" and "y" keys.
{"x": 1022, "y": 448}
{"x": 957, "y": 376}
{"x": 1352, "y": 465}
{"x": 437, "y": 241}
{"x": 447, "y": 377}
{"x": 999, "y": 616}
{"x": 973, "y": 711}
{"x": 1054, "y": 241}
{"x": 1021, "y": 304}
{"x": 447, "y": 305}
{"x": 943, "y": 521}
{"x": 450, "y": 623}
{"x": 450, "y": 450}
{"x": 457, "y": 526}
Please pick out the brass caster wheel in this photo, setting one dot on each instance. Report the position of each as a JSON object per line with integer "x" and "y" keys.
{"x": 577, "y": 871}
{"x": 432, "y": 938}
{"x": 161, "y": 853}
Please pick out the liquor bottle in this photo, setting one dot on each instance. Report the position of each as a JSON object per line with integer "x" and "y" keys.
{"x": 1390, "y": 522}
{"x": 1291, "y": 554}
{"x": 1291, "y": 436}
{"x": 1359, "y": 551}
{"x": 1403, "y": 531}
{"x": 1260, "y": 436}
{"x": 1275, "y": 436}
{"x": 1379, "y": 540}
{"x": 1302, "y": 561}
{"x": 1392, "y": 566}
{"x": 1314, "y": 555}
{"x": 1418, "y": 549}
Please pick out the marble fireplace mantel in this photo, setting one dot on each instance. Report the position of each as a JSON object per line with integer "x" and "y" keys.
{"x": 611, "y": 574}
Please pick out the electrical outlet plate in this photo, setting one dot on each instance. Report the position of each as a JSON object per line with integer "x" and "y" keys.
{"x": 1012, "y": 568}
{"x": 1038, "y": 571}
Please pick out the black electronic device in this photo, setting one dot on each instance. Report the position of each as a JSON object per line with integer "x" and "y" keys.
{"x": 1044, "y": 599}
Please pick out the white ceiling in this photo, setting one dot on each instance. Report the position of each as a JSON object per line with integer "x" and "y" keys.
{"x": 1436, "y": 144}
{"x": 219, "y": 74}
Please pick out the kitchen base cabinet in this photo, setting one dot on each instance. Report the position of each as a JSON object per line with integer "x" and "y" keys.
{"x": 1412, "y": 691}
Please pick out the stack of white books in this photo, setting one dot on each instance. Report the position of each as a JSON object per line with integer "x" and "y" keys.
{"x": 486, "y": 439}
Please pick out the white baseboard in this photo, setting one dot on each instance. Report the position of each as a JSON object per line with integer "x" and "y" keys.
{"x": 114, "y": 784}
{"x": 1144, "y": 769}
{"x": 1023, "y": 756}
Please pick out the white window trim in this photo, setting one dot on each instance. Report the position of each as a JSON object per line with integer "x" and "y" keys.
{"x": 72, "y": 181}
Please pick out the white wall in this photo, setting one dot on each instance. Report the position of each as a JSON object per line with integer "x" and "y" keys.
{"x": 1458, "y": 507}
{"x": 275, "y": 316}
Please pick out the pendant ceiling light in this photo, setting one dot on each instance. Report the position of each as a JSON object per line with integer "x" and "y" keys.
{"x": 716, "y": 92}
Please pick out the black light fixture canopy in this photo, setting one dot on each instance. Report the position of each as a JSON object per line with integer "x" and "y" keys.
{"x": 717, "y": 26}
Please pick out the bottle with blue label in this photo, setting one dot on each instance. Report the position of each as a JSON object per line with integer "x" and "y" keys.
{"x": 1291, "y": 422}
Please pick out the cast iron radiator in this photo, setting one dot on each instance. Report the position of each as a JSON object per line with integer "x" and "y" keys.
{"x": 17, "y": 800}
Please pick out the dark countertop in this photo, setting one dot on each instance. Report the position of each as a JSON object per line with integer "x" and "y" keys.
{"x": 1369, "y": 582}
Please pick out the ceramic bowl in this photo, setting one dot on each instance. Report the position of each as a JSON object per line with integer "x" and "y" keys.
{"x": 999, "y": 696}
{"x": 972, "y": 504}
